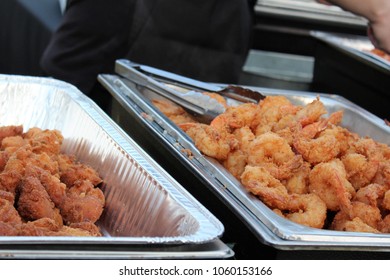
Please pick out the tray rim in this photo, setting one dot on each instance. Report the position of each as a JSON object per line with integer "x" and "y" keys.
{"x": 210, "y": 228}
{"x": 313, "y": 238}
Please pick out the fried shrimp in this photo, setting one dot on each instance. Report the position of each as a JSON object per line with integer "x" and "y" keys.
{"x": 301, "y": 162}
{"x": 314, "y": 146}
{"x": 273, "y": 152}
{"x": 237, "y": 160}
{"x": 235, "y": 117}
{"x": 273, "y": 111}
{"x": 308, "y": 210}
{"x": 362, "y": 162}
{"x": 372, "y": 194}
{"x": 328, "y": 180}
{"x": 261, "y": 183}
{"x": 367, "y": 214}
{"x": 173, "y": 111}
{"x": 210, "y": 141}
{"x": 298, "y": 182}
{"x": 311, "y": 112}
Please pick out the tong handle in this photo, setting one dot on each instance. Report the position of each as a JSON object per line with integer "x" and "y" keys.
{"x": 208, "y": 111}
{"x": 166, "y": 76}
{"x": 235, "y": 92}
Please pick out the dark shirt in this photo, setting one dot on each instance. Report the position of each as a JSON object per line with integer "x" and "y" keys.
{"x": 203, "y": 39}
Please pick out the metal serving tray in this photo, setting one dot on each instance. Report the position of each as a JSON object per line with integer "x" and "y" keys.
{"x": 358, "y": 47}
{"x": 144, "y": 204}
{"x": 266, "y": 225}
{"x": 308, "y": 9}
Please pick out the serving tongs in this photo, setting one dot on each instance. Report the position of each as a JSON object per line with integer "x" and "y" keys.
{"x": 184, "y": 91}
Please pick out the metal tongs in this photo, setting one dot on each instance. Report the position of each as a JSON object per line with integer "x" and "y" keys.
{"x": 184, "y": 91}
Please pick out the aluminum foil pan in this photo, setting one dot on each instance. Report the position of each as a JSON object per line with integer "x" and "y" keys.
{"x": 266, "y": 225}
{"x": 144, "y": 204}
{"x": 358, "y": 47}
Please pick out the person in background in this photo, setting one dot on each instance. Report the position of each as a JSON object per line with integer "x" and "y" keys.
{"x": 203, "y": 39}
{"x": 377, "y": 12}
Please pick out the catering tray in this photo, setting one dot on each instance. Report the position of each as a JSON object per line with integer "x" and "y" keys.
{"x": 342, "y": 67}
{"x": 263, "y": 222}
{"x": 359, "y": 47}
{"x": 308, "y": 9}
{"x": 145, "y": 206}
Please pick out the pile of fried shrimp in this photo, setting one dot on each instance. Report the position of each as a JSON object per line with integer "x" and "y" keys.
{"x": 42, "y": 191}
{"x": 300, "y": 162}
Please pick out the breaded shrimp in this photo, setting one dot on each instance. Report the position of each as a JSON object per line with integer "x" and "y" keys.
{"x": 298, "y": 182}
{"x": 314, "y": 146}
{"x": 235, "y": 117}
{"x": 308, "y": 210}
{"x": 235, "y": 162}
{"x": 328, "y": 180}
{"x": 366, "y": 213}
{"x": 362, "y": 162}
{"x": 357, "y": 225}
{"x": 372, "y": 194}
{"x": 272, "y": 152}
{"x": 260, "y": 182}
{"x": 210, "y": 141}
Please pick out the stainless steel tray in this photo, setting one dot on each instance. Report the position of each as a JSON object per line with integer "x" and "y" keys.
{"x": 308, "y": 9}
{"x": 268, "y": 226}
{"x": 358, "y": 47}
{"x": 212, "y": 250}
{"x": 144, "y": 204}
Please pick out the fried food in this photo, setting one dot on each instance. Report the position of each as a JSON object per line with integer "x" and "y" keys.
{"x": 173, "y": 111}
{"x": 12, "y": 130}
{"x": 44, "y": 141}
{"x": 41, "y": 189}
{"x": 329, "y": 181}
{"x": 34, "y": 202}
{"x": 8, "y": 213}
{"x": 381, "y": 54}
{"x": 78, "y": 171}
{"x": 83, "y": 203}
{"x": 308, "y": 210}
{"x": 48, "y": 227}
{"x": 210, "y": 141}
{"x": 53, "y": 186}
{"x": 300, "y": 162}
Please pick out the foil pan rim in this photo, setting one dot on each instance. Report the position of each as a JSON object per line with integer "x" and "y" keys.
{"x": 210, "y": 228}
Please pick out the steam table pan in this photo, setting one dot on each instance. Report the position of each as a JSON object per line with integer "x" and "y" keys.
{"x": 356, "y": 46}
{"x": 344, "y": 64}
{"x": 147, "y": 212}
{"x": 268, "y": 227}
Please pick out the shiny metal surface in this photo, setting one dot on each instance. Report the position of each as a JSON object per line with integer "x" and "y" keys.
{"x": 308, "y": 9}
{"x": 358, "y": 47}
{"x": 268, "y": 226}
{"x": 212, "y": 250}
{"x": 144, "y": 204}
